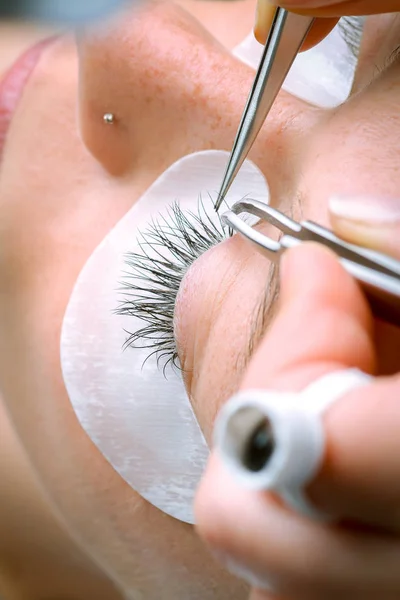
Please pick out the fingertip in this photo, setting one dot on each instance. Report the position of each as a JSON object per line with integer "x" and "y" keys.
{"x": 372, "y": 222}
{"x": 264, "y": 16}
{"x": 318, "y": 32}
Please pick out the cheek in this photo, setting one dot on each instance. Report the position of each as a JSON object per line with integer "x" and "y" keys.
{"x": 42, "y": 132}
{"x": 55, "y": 204}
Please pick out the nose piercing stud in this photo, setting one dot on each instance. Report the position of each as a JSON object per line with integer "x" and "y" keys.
{"x": 109, "y": 119}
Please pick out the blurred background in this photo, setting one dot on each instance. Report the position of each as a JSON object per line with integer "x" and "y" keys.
{"x": 19, "y": 31}
{"x": 16, "y": 37}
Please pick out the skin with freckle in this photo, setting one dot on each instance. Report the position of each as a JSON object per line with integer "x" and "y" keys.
{"x": 66, "y": 179}
{"x": 38, "y": 556}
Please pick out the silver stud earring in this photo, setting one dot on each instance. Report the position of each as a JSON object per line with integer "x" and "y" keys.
{"x": 109, "y": 119}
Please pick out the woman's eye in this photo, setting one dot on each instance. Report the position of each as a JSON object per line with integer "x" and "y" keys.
{"x": 168, "y": 247}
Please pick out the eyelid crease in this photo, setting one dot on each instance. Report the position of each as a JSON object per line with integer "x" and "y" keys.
{"x": 392, "y": 58}
{"x": 268, "y": 303}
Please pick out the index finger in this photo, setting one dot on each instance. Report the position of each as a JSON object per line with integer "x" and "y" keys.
{"x": 327, "y": 15}
{"x": 332, "y": 8}
{"x": 264, "y": 15}
{"x": 324, "y": 325}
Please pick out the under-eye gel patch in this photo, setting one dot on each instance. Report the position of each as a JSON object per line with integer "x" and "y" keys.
{"x": 141, "y": 419}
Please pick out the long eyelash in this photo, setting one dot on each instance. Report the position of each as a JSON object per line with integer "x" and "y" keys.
{"x": 168, "y": 247}
{"x": 351, "y": 29}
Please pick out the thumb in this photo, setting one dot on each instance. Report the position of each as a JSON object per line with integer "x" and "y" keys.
{"x": 333, "y": 8}
{"x": 265, "y": 13}
{"x": 323, "y": 325}
{"x": 370, "y": 222}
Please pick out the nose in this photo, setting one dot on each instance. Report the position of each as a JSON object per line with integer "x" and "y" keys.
{"x": 171, "y": 89}
{"x": 162, "y": 77}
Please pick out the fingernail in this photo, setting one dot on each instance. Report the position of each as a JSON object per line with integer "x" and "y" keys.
{"x": 366, "y": 210}
{"x": 264, "y": 14}
{"x": 238, "y": 570}
{"x": 368, "y": 221}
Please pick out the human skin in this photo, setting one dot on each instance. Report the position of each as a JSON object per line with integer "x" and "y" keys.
{"x": 323, "y": 325}
{"x": 286, "y": 556}
{"x": 38, "y": 555}
{"x": 16, "y": 38}
{"x": 348, "y": 136}
{"x": 329, "y": 8}
{"x": 59, "y": 203}
{"x": 327, "y": 14}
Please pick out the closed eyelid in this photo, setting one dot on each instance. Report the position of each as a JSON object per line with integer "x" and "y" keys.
{"x": 264, "y": 313}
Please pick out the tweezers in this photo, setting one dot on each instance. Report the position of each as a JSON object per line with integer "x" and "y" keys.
{"x": 285, "y": 39}
{"x": 378, "y": 274}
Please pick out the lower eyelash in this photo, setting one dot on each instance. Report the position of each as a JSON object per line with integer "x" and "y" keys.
{"x": 168, "y": 247}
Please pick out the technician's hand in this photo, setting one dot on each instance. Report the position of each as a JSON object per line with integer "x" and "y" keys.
{"x": 323, "y": 325}
{"x": 329, "y": 11}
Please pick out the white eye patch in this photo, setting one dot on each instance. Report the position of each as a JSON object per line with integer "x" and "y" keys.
{"x": 322, "y": 76}
{"x": 141, "y": 422}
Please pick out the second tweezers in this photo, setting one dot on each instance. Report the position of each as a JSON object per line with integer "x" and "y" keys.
{"x": 378, "y": 274}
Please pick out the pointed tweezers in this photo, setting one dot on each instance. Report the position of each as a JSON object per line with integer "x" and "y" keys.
{"x": 378, "y": 274}
{"x": 285, "y": 39}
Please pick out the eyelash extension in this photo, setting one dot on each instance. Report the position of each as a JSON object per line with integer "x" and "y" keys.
{"x": 351, "y": 29}
{"x": 168, "y": 247}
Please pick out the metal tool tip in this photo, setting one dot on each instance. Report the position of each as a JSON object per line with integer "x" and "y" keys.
{"x": 219, "y": 201}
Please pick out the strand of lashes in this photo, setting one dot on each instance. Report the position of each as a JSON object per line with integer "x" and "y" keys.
{"x": 352, "y": 30}
{"x": 152, "y": 279}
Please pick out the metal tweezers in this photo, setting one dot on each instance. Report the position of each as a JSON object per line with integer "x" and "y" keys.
{"x": 285, "y": 39}
{"x": 378, "y": 274}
